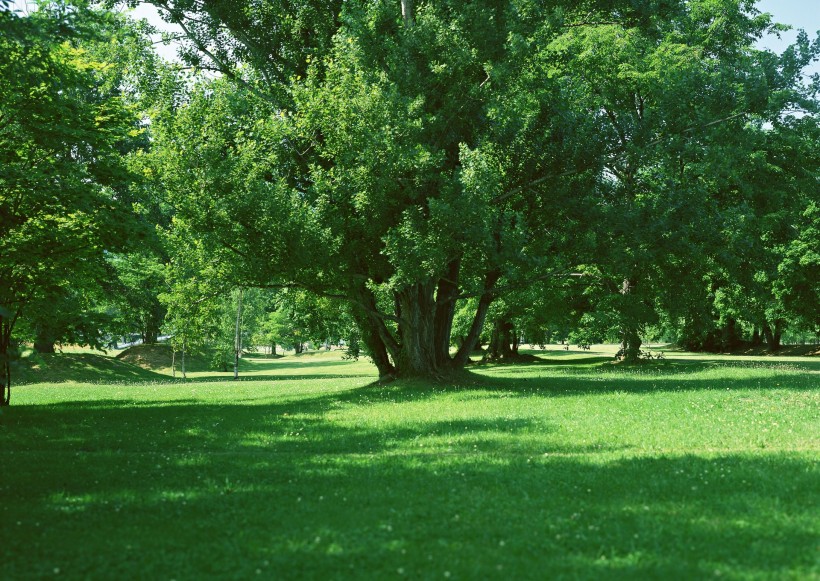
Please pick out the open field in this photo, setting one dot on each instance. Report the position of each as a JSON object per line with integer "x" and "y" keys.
{"x": 689, "y": 467}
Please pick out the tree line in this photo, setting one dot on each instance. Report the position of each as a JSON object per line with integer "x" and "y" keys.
{"x": 421, "y": 177}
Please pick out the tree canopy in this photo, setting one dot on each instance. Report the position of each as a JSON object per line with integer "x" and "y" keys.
{"x": 419, "y": 175}
{"x": 405, "y": 158}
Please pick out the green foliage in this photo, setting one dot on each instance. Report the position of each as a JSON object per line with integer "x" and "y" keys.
{"x": 389, "y": 161}
{"x": 66, "y": 121}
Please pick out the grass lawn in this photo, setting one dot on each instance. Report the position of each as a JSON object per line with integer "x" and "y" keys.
{"x": 573, "y": 468}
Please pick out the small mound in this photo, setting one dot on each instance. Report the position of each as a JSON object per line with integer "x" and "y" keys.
{"x": 147, "y": 356}
{"x": 159, "y": 358}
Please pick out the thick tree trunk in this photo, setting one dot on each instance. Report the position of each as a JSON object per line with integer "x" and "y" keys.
{"x": 416, "y": 310}
{"x": 631, "y": 345}
{"x": 375, "y": 335}
{"x": 150, "y": 335}
{"x": 44, "y": 344}
{"x": 773, "y": 334}
{"x": 501, "y": 340}
{"x": 769, "y": 335}
{"x": 729, "y": 336}
{"x": 424, "y": 313}
{"x": 778, "y": 332}
{"x": 445, "y": 310}
{"x": 630, "y": 337}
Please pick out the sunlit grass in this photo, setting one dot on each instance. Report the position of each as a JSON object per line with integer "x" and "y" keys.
{"x": 673, "y": 469}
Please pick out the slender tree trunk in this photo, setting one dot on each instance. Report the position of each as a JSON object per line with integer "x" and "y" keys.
{"x": 462, "y": 356}
{"x": 407, "y": 12}
{"x": 757, "y": 339}
{"x": 184, "y": 376}
{"x": 173, "y": 362}
{"x": 6, "y": 327}
{"x": 237, "y": 343}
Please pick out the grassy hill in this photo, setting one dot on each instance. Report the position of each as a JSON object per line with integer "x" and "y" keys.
{"x": 77, "y": 367}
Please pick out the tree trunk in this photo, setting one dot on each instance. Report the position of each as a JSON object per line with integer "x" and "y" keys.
{"x": 6, "y": 327}
{"x": 424, "y": 314}
{"x": 237, "y": 342}
{"x": 407, "y": 12}
{"x": 630, "y": 336}
{"x": 150, "y": 331}
{"x": 631, "y": 345}
{"x": 757, "y": 339}
{"x": 729, "y": 336}
{"x": 503, "y": 344}
{"x": 375, "y": 335}
{"x": 416, "y": 310}
{"x": 44, "y": 344}
{"x": 445, "y": 310}
{"x": 462, "y": 356}
{"x": 773, "y": 334}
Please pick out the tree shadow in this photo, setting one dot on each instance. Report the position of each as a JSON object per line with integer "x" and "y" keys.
{"x": 180, "y": 488}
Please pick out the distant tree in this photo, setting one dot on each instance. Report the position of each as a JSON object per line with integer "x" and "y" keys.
{"x": 139, "y": 279}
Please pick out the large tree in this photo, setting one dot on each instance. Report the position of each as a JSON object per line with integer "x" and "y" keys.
{"x": 403, "y": 157}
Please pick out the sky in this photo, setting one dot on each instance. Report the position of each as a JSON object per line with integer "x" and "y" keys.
{"x": 803, "y": 14}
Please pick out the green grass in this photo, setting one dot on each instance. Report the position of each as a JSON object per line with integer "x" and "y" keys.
{"x": 679, "y": 469}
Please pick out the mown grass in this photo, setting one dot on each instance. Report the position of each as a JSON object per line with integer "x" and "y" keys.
{"x": 677, "y": 469}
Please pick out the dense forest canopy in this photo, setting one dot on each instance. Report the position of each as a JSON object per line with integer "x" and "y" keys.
{"x": 430, "y": 175}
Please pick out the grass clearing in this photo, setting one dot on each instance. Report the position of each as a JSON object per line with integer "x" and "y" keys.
{"x": 682, "y": 468}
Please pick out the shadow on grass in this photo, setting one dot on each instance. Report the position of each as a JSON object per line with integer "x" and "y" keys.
{"x": 79, "y": 367}
{"x": 177, "y": 488}
{"x": 273, "y": 365}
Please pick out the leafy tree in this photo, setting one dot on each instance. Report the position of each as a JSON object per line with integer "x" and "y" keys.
{"x": 63, "y": 182}
{"x": 403, "y": 160}
{"x": 134, "y": 294}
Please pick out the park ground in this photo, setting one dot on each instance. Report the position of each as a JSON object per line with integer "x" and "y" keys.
{"x": 565, "y": 467}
